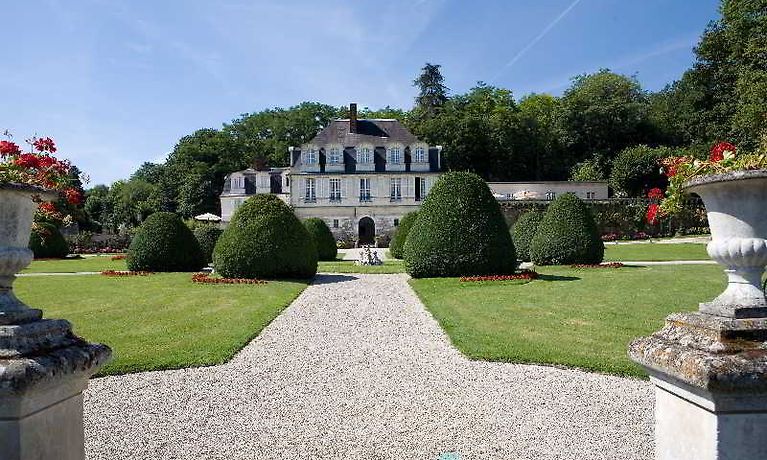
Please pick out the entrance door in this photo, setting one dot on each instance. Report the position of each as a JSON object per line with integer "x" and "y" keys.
{"x": 367, "y": 230}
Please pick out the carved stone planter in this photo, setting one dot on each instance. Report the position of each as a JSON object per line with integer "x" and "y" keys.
{"x": 44, "y": 367}
{"x": 710, "y": 368}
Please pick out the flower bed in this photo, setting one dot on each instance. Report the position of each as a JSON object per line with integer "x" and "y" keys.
{"x": 119, "y": 257}
{"x": 603, "y": 265}
{"x": 124, "y": 273}
{"x": 204, "y": 278}
{"x": 522, "y": 275}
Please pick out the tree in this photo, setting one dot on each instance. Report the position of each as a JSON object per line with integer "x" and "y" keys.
{"x": 432, "y": 92}
{"x": 591, "y": 169}
{"x": 543, "y": 147}
{"x": 636, "y": 170}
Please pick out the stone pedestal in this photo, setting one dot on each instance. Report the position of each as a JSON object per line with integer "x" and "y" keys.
{"x": 710, "y": 377}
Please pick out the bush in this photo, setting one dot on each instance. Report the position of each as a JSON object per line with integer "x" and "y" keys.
{"x": 323, "y": 238}
{"x": 397, "y": 246}
{"x": 523, "y": 232}
{"x": 47, "y": 242}
{"x": 567, "y": 235}
{"x": 636, "y": 170}
{"x": 164, "y": 244}
{"x": 207, "y": 235}
{"x": 265, "y": 239}
{"x": 459, "y": 231}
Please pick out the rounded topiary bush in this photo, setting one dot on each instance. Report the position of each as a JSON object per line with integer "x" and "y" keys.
{"x": 265, "y": 239}
{"x": 163, "y": 243}
{"x": 567, "y": 235}
{"x": 523, "y": 232}
{"x": 47, "y": 242}
{"x": 323, "y": 238}
{"x": 207, "y": 235}
{"x": 397, "y": 245}
{"x": 459, "y": 231}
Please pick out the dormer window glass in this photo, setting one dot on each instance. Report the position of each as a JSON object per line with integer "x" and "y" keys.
{"x": 334, "y": 157}
{"x": 395, "y": 155}
{"x": 238, "y": 182}
{"x": 311, "y": 156}
{"x": 364, "y": 155}
{"x": 420, "y": 155}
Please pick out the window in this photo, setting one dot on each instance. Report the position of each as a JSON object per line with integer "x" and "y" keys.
{"x": 550, "y": 195}
{"x": 590, "y": 195}
{"x": 311, "y": 156}
{"x": 335, "y": 189}
{"x": 420, "y": 155}
{"x": 420, "y": 188}
{"x": 238, "y": 182}
{"x": 364, "y": 155}
{"x": 365, "y": 189}
{"x": 396, "y": 222}
{"x": 395, "y": 189}
{"x": 335, "y": 223}
{"x": 335, "y": 155}
{"x": 310, "y": 194}
{"x": 395, "y": 155}
{"x": 238, "y": 202}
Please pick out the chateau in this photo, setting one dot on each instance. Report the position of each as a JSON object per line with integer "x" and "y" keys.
{"x": 359, "y": 175}
{"x": 362, "y": 175}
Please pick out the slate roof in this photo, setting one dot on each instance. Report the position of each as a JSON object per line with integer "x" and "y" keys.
{"x": 373, "y": 131}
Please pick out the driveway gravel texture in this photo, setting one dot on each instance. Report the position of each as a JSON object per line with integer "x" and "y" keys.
{"x": 356, "y": 368}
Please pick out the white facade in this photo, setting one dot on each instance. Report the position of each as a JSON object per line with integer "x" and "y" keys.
{"x": 548, "y": 190}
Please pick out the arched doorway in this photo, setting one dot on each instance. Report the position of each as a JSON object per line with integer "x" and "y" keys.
{"x": 367, "y": 230}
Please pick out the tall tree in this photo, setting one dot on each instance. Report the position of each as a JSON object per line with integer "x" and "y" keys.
{"x": 543, "y": 142}
{"x": 432, "y": 92}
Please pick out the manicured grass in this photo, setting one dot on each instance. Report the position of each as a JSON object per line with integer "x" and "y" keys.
{"x": 573, "y": 317}
{"x": 72, "y": 265}
{"x": 348, "y": 266}
{"x": 162, "y": 321}
{"x": 655, "y": 252}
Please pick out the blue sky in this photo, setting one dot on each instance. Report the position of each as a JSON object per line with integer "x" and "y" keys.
{"x": 118, "y": 82}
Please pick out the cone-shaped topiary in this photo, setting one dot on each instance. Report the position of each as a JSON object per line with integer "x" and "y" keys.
{"x": 397, "y": 245}
{"x": 265, "y": 239}
{"x": 567, "y": 235}
{"x": 523, "y": 232}
{"x": 323, "y": 238}
{"x": 207, "y": 235}
{"x": 459, "y": 231}
{"x": 47, "y": 242}
{"x": 164, "y": 243}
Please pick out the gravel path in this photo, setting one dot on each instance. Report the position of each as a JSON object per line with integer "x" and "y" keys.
{"x": 356, "y": 368}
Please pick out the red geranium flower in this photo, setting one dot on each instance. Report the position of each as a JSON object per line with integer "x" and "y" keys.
{"x": 27, "y": 160}
{"x": 9, "y": 148}
{"x": 44, "y": 144}
{"x": 73, "y": 196}
{"x": 652, "y": 213}
{"x": 718, "y": 150}
{"x": 47, "y": 207}
{"x": 46, "y": 161}
{"x": 655, "y": 194}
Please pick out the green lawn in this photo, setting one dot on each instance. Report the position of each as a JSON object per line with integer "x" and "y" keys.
{"x": 573, "y": 317}
{"x": 656, "y": 252}
{"x": 84, "y": 264}
{"x": 162, "y": 321}
{"x": 348, "y": 266}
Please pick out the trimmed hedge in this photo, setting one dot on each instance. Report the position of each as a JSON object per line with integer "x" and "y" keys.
{"x": 323, "y": 238}
{"x": 163, "y": 243}
{"x": 397, "y": 245}
{"x": 265, "y": 239}
{"x": 635, "y": 170}
{"x": 523, "y": 232}
{"x": 460, "y": 231}
{"x": 207, "y": 235}
{"x": 567, "y": 235}
{"x": 47, "y": 242}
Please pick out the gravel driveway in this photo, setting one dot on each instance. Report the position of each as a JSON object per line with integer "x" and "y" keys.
{"x": 356, "y": 368}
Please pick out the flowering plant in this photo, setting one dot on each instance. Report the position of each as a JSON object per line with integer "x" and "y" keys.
{"x": 723, "y": 158}
{"x": 38, "y": 167}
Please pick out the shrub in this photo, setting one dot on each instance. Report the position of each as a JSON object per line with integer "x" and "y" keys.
{"x": 47, "y": 242}
{"x": 397, "y": 246}
{"x": 567, "y": 235}
{"x": 164, "y": 244}
{"x": 323, "y": 238}
{"x": 207, "y": 235}
{"x": 523, "y": 232}
{"x": 460, "y": 231}
{"x": 635, "y": 170}
{"x": 265, "y": 239}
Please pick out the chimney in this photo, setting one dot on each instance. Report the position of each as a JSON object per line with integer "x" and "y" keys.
{"x": 353, "y": 118}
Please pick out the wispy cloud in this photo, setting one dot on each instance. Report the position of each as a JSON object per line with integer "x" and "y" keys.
{"x": 535, "y": 40}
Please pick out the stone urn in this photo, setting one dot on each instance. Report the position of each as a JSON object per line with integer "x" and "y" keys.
{"x": 709, "y": 368}
{"x": 44, "y": 367}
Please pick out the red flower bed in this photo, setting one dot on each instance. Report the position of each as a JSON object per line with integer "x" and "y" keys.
{"x": 124, "y": 273}
{"x": 522, "y": 275}
{"x": 120, "y": 257}
{"x": 204, "y": 278}
{"x": 604, "y": 265}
